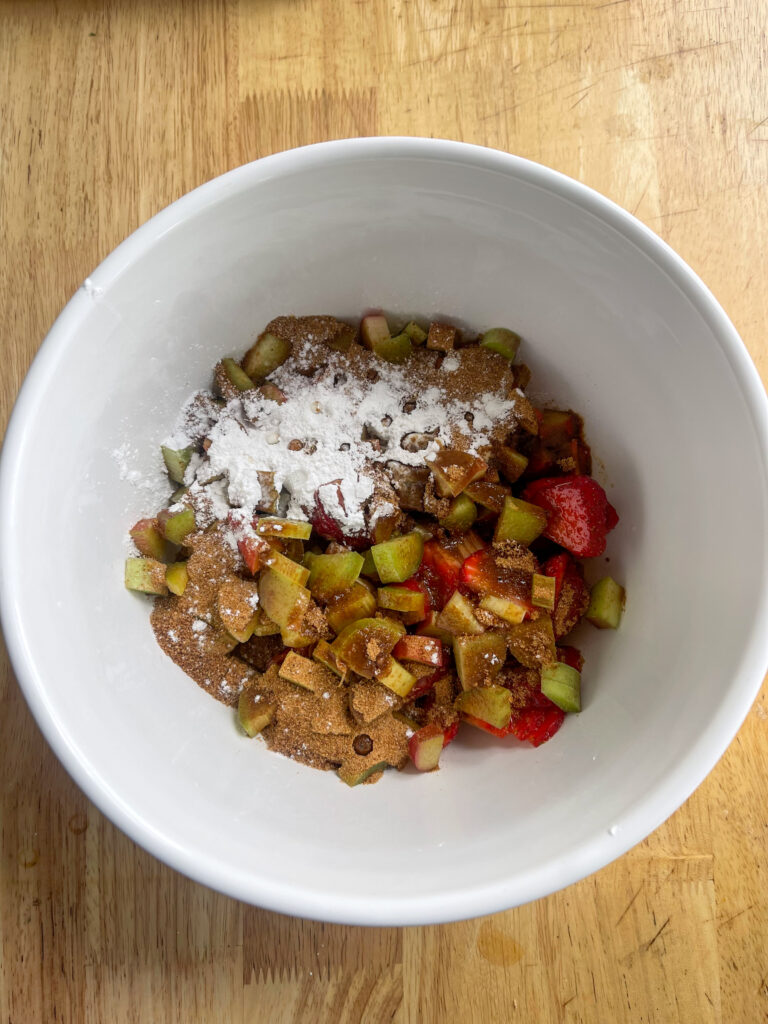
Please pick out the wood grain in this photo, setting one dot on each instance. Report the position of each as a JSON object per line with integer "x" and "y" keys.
{"x": 108, "y": 111}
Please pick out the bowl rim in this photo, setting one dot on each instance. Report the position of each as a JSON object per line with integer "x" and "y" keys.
{"x": 556, "y": 873}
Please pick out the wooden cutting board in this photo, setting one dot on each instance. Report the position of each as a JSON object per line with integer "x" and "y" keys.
{"x": 108, "y": 111}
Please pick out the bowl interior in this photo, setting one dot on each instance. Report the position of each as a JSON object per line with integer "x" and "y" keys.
{"x": 612, "y": 327}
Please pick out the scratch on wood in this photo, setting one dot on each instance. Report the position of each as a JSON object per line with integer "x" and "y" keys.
{"x": 658, "y": 933}
{"x": 640, "y": 887}
{"x": 734, "y": 916}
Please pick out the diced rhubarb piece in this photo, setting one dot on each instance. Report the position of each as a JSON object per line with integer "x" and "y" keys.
{"x": 254, "y": 552}
{"x": 537, "y": 725}
{"x": 262, "y": 625}
{"x": 374, "y": 329}
{"x": 479, "y": 659}
{"x": 366, "y": 644}
{"x": 402, "y": 599}
{"x": 426, "y": 650}
{"x": 396, "y": 677}
{"x": 176, "y": 577}
{"x": 460, "y": 516}
{"x": 533, "y": 642}
{"x": 326, "y": 657}
{"x": 458, "y": 617}
{"x": 356, "y": 776}
{"x": 287, "y": 567}
{"x": 176, "y": 525}
{"x": 571, "y": 656}
{"x": 272, "y": 393}
{"x": 265, "y": 355}
{"x": 510, "y": 611}
{"x": 283, "y": 600}
{"x": 331, "y": 575}
{"x": 582, "y": 463}
{"x": 295, "y": 637}
{"x": 356, "y": 603}
{"x": 579, "y": 512}
{"x": 426, "y": 746}
{"x": 302, "y": 671}
{"x": 145, "y": 575}
{"x": 441, "y": 337}
{"x": 562, "y": 684}
{"x": 369, "y": 566}
{"x": 237, "y": 375}
{"x": 557, "y": 426}
{"x": 519, "y": 521}
{"x": 503, "y": 341}
{"x": 176, "y": 461}
{"x": 490, "y": 704}
{"x": 543, "y": 591}
{"x": 148, "y": 538}
{"x": 285, "y": 529}
{"x": 419, "y": 586}
{"x": 486, "y": 726}
{"x": 417, "y": 334}
{"x": 178, "y": 494}
{"x": 254, "y": 712}
{"x": 454, "y": 470}
{"x": 430, "y": 628}
{"x": 489, "y": 495}
{"x": 393, "y": 350}
{"x": 466, "y": 545}
{"x": 606, "y": 604}
{"x": 236, "y": 604}
{"x": 511, "y": 463}
{"x": 485, "y": 573}
{"x": 398, "y": 558}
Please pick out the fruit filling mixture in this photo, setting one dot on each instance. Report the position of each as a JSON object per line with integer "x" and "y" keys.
{"x": 375, "y": 538}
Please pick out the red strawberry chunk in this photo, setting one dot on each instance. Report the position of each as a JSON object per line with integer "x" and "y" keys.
{"x": 556, "y": 567}
{"x": 482, "y": 573}
{"x": 578, "y": 509}
{"x": 326, "y": 526}
{"x": 439, "y": 571}
{"x": 571, "y": 656}
{"x": 571, "y": 593}
{"x": 254, "y": 550}
{"x": 537, "y": 725}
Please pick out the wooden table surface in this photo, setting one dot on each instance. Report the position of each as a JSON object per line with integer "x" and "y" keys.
{"x": 109, "y": 111}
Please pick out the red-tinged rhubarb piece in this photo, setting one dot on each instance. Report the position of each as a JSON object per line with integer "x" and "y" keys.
{"x": 427, "y": 650}
{"x": 484, "y": 573}
{"x": 537, "y": 725}
{"x": 487, "y": 727}
{"x": 454, "y": 470}
{"x": 426, "y": 746}
{"x": 374, "y": 329}
{"x": 579, "y": 512}
{"x": 148, "y": 538}
{"x": 254, "y": 552}
{"x": 490, "y": 704}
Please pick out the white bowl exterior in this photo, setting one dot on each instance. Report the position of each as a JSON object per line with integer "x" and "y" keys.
{"x": 614, "y": 326}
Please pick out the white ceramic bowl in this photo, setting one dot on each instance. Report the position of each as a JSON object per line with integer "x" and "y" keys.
{"x": 616, "y": 325}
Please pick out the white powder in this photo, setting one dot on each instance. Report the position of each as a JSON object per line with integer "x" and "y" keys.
{"x": 199, "y": 626}
{"x": 450, "y": 364}
{"x": 253, "y": 437}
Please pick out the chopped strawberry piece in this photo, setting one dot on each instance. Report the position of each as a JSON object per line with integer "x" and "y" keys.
{"x": 556, "y": 566}
{"x": 571, "y": 593}
{"x": 537, "y": 725}
{"x": 579, "y": 512}
{"x": 571, "y": 656}
{"x": 427, "y": 650}
{"x": 424, "y": 685}
{"x": 482, "y": 573}
{"x": 611, "y": 517}
{"x": 439, "y": 571}
{"x": 279, "y": 658}
{"x": 326, "y": 526}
